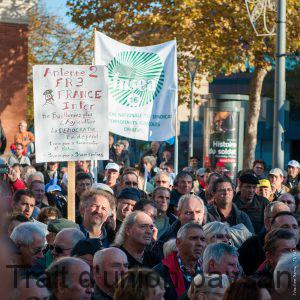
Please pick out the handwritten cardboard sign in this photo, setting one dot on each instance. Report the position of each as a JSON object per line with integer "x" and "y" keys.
{"x": 70, "y": 113}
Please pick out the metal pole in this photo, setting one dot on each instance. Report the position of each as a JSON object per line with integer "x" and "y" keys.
{"x": 176, "y": 144}
{"x": 280, "y": 87}
{"x": 191, "y": 127}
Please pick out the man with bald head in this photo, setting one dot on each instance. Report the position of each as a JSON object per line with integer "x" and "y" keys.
{"x": 30, "y": 288}
{"x": 64, "y": 242}
{"x": 108, "y": 266}
{"x": 69, "y": 278}
{"x": 251, "y": 253}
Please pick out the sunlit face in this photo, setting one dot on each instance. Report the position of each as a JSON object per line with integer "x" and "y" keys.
{"x": 82, "y": 186}
{"x": 25, "y": 206}
{"x": 264, "y": 191}
{"x": 258, "y": 169}
{"x": 124, "y": 208}
{"x": 184, "y": 185}
{"x": 38, "y": 189}
{"x": 228, "y": 266}
{"x": 162, "y": 199}
{"x": 141, "y": 231}
{"x": 111, "y": 177}
{"x": 223, "y": 194}
{"x": 129, "y": 180}
{"x": 97, "y": 210}
{"x": 276, "y": 180}
{"x": 163, "y": 180}
{"x": 293, "y": 171}
{"x": 191, "y": 211}
{"x": 19, "y": 150}
{"x": 119, "y": 148}
{"x": 287, "y": 222}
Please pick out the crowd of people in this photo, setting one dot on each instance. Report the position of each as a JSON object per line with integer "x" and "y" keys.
{"x": 143, "y": 232}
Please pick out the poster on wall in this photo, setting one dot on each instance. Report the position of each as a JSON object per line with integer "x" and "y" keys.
{"x": 70, "y": 112}
{"x": 222, "y": 151}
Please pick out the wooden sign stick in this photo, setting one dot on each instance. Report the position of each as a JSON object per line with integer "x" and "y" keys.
{"x": 71, "y": 190}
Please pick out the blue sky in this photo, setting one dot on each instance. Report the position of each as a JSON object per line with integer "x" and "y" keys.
{"x": 58, "y": 8}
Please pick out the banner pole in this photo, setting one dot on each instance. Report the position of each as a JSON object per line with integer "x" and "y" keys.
{"x": 176, "y": 144}
{"x": 71, "y": 190}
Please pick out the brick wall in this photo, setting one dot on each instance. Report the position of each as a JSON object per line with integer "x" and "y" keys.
{"x": 13, "y": 76}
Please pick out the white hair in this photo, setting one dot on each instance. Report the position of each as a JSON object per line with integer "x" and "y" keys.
{"x": 213, "y": 228}
{"x": 23, "y": 234}
{"x": 187, "y": 197}
{"x": 169, "y": 246}
{"x": 287, "y": 274}
{"x": 216, "y": 251}
{"x": 239, "y": 234}
{"x": 127, "y": 222}
{"x": 30, "y": 177}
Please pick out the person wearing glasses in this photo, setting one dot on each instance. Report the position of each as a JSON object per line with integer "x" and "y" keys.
{"x": 224, "y": 210}
{"x": 180, "y": 267}
{"x": 162, "y": 179}
{"x": 30, "y": 240}
{"x": 64, "y": 242}
{"x": 134, "y": 237}
{"x": 125, "y": 203}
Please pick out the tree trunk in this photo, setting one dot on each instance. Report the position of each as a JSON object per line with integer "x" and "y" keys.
{"x": 252, "y": 118}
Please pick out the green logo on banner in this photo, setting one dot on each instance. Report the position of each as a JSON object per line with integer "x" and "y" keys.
{"x": 135, "y": 78}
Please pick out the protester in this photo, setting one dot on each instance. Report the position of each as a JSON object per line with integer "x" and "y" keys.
{"x": 64, "y": 242}
{"x": 69, "y": 278}
{"x": 24, "y": 137}
{"x": 30, "y": 240}
{"x": 83, "y": 182}
{"x": 96, "y": 206}
{"x": 52, "y": 175}
{"x": 208, "y": 195}
{"x": 293, "y": 178}
{"x": 126, "y": 201}
{"x": 108, "y": 267}
{"x": 119, "y": 156}
{"x": 23, "y": 202}
{"x": 224, "y": 209}
{"x": 138, "y": 284}
{"x": 183, "y": 185}
{"x": 259, "y": 168}
{"x": 286, "y": 220}
{"x": 247, "y": 289}
{"x": 264, "y": 189}
{"x": 112, "y": 172}
{"x": 164, "y": 220}
{"x": 221, "y": 258}
{"x": 179, "y": 268}
{"x": 153, "y": 151}
{"x": 162, "y": 179}
{"x": 276, "y": 178}
{"x": 18, "y": 157}
{"x": 133, "y": 237}
{"x": 289, "y": 200}
{"x": 47, "y": 214}
{"x": 287, "y": 276}
{"x": 277, "y": 242}
{"x": 249, "y": 202}
{"x": 216, "y": 232}
{"x": 147, "y": 206}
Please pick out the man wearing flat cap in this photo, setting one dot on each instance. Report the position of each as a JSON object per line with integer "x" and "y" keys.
{"x": 127, "y": 198}
{"x": 249, "y": 202}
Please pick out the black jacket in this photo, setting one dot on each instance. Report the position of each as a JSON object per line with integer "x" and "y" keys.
{"x": 157, "y": 248}
{"x": 255, "y": 210}
{"x": 236, "y": 217}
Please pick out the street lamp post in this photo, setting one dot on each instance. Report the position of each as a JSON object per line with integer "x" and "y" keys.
{"x": 192, "y": 66}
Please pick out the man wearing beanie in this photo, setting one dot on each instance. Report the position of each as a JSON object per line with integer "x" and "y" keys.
{"x": 249, "y": 202}
{"x": 126, "y": 201}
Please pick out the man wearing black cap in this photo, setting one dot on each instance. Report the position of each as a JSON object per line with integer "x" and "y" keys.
{"x": 249, "y": 202}
{"x": 126, "y": 201}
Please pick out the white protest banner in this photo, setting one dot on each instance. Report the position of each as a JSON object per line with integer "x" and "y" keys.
{"x": 70, "y": 112}
{"x": 142, "y": 88}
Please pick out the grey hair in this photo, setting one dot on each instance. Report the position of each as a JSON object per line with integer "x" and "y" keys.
{"x": 169, "y": 246}
{"x": 270, "y": 207}
{"x": 128, "y": 222}
{"x": 23, "y": 234}
{"x": 150, "y": 159}
{"x": 286, "y": 194}
{"x": 187, "y": 197}
{"x": 61, "y": 268}
{"x": 212, "y": 228}
{"x": 217, "y": 251}
{"x": 29, "y": 178}
{"x": 100, "y": 255}
{"x": 287, "y": 274}
{"x": 75, "y": 235}
{"x": 181, "y": 234}
{"x": 161, "y": 173}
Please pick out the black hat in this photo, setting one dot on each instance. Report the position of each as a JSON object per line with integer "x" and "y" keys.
{"x": 87, "y": 246}
{"x": 130, "y": 193}
{"x": 55, "y": 226}
{"x": 249, "y": 178}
